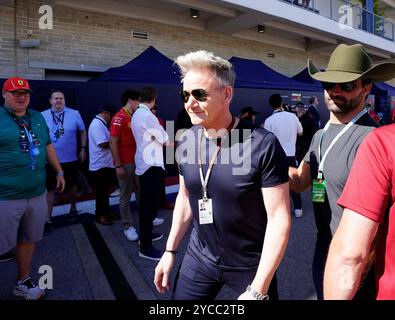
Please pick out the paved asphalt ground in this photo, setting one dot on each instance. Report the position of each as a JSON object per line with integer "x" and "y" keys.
{"x": 95, "y": 262}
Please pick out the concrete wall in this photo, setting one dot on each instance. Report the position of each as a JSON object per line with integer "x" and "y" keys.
{"x": 92, "y": 39}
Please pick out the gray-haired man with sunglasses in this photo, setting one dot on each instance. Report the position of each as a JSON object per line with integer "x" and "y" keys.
{"x": 241, "y": 222}
{"x": 326, "y": 166}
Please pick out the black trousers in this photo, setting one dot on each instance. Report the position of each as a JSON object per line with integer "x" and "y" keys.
{"x": 103, "y": 179}
{"x": 150, "y": 189}
{"x": 198, "y": 280}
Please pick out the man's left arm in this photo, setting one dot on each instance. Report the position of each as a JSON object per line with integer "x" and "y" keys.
{"x": 277, "y": 204}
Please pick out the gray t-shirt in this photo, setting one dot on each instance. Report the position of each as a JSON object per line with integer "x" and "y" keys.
{"x": 336, "y": 169}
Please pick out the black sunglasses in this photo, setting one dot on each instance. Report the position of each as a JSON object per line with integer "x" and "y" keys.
{"x": 199, "y": 94}
{"x": 345, "y": 86}
{"x": 18, "y": 94}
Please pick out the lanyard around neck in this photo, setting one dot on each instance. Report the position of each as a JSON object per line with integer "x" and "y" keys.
{"x": 58, "y": 119}
{"x": 25, "y": 128}
{"x": 277, "y": 111}
{"x": 348, "y": 126}
{"x": 102, "y": 121}
{"x": 127, "y": 111}
{"x": 204, "y": 180}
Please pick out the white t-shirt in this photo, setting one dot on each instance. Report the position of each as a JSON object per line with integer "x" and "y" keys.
{"x": 286, "y": 127}
{"x": 150, "y": 138}
{"x": 98, "y": 133}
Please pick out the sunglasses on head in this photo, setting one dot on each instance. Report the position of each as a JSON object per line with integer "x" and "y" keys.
{"x": 199, "y": 94}
{"x": 345, "y": 86}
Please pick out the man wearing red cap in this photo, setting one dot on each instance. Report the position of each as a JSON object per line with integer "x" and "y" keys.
{"x": 24, "y": 148}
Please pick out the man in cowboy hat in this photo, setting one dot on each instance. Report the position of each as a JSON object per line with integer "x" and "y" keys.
{"x": 347, "y": 82}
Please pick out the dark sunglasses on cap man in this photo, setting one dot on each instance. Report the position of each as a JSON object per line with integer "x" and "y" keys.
{"x": 17, "y": 94}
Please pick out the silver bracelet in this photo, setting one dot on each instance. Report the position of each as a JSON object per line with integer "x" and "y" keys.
{"x": 256, "y": 295}
{"x": 60, "y": 174}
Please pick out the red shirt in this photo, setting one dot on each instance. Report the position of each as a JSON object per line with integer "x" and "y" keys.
{"x": 370, "y": 191}
{"x": 162, "y": 122}
{"x": 120, "y": 127}
{"x": 374, "y": 116}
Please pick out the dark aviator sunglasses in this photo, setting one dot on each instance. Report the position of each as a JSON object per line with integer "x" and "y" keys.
{"x": 345, "y": 86}
{"x": 199, "y": 94}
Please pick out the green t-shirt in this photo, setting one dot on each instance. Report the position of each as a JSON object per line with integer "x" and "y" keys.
{"x": 17, "y": 179}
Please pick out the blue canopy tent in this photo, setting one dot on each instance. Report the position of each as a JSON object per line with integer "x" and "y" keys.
{"x": 153, "y": 68}
{"x": 382, "y": 86}
{"x": 150, "y": 66}
{"x": 255, "y": 74}
{"x": 304, "y": 76}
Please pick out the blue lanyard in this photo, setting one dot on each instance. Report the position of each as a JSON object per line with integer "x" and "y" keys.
{"x": 33, "y": 150}
{"x": 24, "y": 125}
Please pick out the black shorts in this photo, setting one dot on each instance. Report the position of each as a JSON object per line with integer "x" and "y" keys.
{"x": 70, "y": 175}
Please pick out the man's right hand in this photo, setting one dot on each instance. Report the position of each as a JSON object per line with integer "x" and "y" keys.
{"x": 120, "y": 172}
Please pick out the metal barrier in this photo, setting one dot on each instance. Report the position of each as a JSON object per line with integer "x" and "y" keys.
{"x": 349, "y": 14}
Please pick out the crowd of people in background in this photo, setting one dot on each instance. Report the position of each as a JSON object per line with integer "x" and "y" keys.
{"x": 240, "y": 221}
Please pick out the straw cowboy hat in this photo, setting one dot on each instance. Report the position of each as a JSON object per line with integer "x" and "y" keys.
{"x": 349, "y": 63}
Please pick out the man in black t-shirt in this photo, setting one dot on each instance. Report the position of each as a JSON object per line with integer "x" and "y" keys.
{"x": 309, "y": 129}
{"x": 233, "y": 187}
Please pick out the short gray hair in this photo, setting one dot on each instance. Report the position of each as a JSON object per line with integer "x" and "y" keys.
{"x": 221, "y": 68}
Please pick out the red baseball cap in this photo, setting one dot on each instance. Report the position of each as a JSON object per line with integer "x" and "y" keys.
{"x": 16, "y": 83}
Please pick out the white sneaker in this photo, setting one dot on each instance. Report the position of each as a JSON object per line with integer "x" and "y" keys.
{"x": 131, "y": 234}
{"x": 28, "y": 290}
{"x": 298, "y": 213}
{"x": 116, "y": 193}
{"x": 158, "y": 221}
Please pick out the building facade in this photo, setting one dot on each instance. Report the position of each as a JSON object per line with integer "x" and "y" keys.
{"x": 70, "y": 39}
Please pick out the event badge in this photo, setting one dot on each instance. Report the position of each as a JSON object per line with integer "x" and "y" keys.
{"x": 24, "y": 143}
{"x": 35, "y": 151}
{"x": 36, "y": 142}
{"x": 318, "y": 190}
{"x": 205, "y": 211}
{"x": 61, "y": 130}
